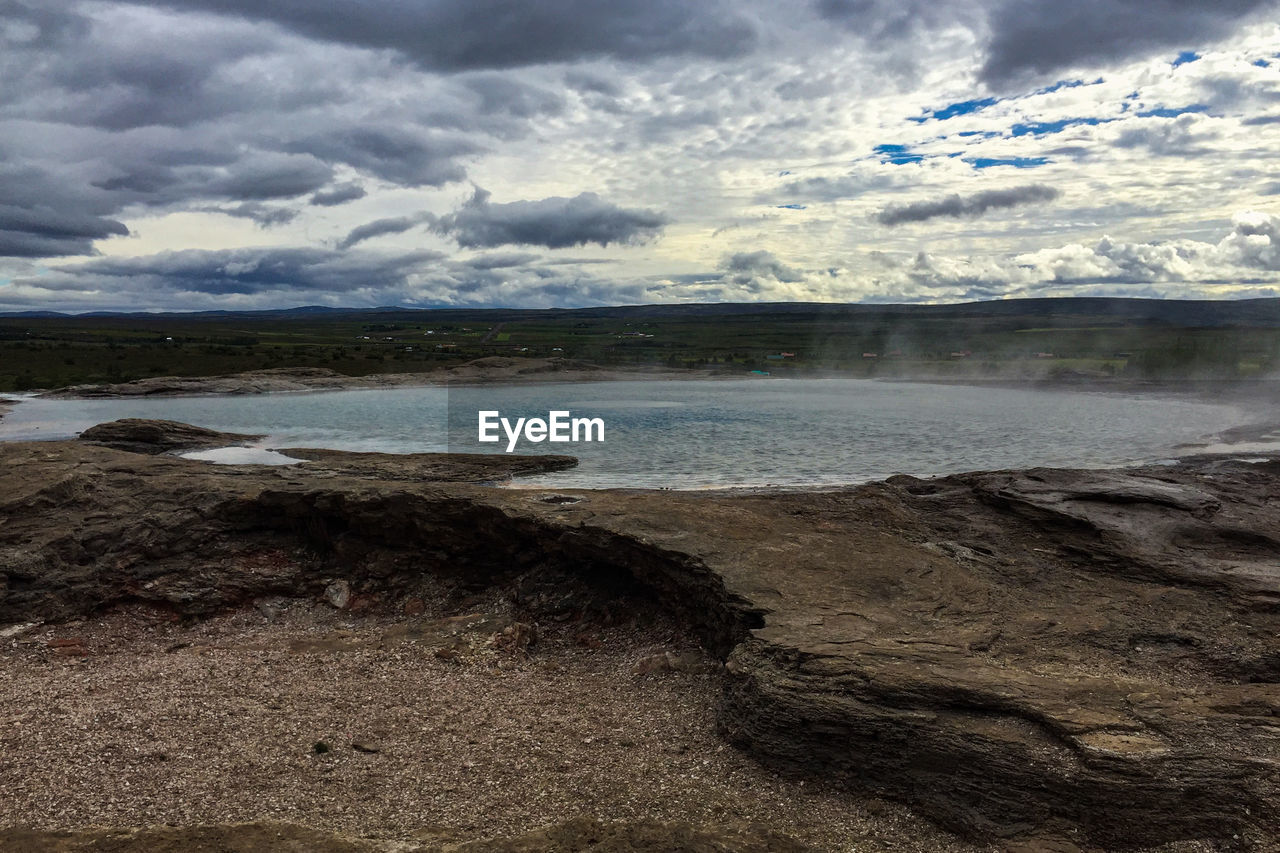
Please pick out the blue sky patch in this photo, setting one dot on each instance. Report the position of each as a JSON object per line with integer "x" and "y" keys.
{"x": 1016, "y": 162}
{"x": 1185, "y": 57}
{"x": 960, "y": 108}
{"x": 898, "y": 155}
{"x": 793, "y": 206}
{"x": 1262, "y": 63}
{"x": 1044, "y": 127}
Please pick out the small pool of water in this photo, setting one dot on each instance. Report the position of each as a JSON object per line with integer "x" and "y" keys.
{"x": 698, "y": 434}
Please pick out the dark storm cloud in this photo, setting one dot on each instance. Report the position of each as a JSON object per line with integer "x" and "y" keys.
{"x": 36, "y": 189}
{"x": 459, "y": 35}
{"x": 1034, "y": 38}
{"x": 1037, "y": 37}
{"x": 502, "y": 94}
{"x": 340, "y": 194}
{"x": 101, "y": 105}
{"x": 140, "y": 177}
{"x": 37, "y": 232}
{"x": 48, "y": 24}
{"x": 271, "y": 177}
{"x": 244, "y": 271}
{"x": 405, "y": 155}
{"x": 880, "y": 21}
{"x": 381, "y": 227}
{"x": 114, "y": 72}
{"x": 962, "y": 206}
{"x": 556, "y": 223}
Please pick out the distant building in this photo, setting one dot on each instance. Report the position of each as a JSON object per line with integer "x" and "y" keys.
{"x": 869, "y": 355}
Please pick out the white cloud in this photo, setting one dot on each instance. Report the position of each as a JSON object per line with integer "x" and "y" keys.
{"x": 177, "y": 125}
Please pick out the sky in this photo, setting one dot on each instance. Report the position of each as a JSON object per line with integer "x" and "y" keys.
{"x": 240, "y": 154}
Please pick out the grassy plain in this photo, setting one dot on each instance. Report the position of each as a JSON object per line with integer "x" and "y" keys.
{"x": 1040, "y": 339}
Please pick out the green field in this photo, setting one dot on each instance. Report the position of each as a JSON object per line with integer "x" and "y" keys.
{"x": 1050, "y": 338}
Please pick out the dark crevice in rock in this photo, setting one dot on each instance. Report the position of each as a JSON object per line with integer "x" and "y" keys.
{"x": 297, "y": 542}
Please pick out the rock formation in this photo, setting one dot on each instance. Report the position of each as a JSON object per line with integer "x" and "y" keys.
{"x": 142, "y": 435}
{"x": 1083, "y": 657}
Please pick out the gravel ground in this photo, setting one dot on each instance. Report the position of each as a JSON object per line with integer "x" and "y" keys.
{"x": 131, "y": 720}
{"x": 392, "y": 728}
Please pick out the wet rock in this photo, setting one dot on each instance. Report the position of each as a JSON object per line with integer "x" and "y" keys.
{"x": 141, "y": 435}
{"x": 437, "y": 467}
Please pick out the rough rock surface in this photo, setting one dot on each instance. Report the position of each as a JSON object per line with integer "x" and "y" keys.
{"x": 438, "y": 467}
{"x": 578, "y": 836}
{"x": 1047, "y": 654}
{"x": 143, "y": 435}
{"x": 272, "y": 380}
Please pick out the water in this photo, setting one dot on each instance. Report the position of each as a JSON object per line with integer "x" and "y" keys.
{"x": 693, "y": 434}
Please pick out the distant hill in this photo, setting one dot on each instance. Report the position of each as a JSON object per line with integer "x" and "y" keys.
{"x": 1202, "y": 313}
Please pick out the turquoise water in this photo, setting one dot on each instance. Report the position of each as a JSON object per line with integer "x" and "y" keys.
{"x": 692, "y": 434}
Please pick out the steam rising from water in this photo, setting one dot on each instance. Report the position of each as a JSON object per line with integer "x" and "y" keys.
{"x": 707, "y": 434}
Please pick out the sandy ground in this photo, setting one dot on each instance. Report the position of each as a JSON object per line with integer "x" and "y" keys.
{"x": 298, "y": 713}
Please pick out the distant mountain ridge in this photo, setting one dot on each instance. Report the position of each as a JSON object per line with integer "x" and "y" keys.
{"x": 1179, "y": 312}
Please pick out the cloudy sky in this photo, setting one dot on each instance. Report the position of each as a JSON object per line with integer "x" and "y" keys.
{"x": 195, "y": 154}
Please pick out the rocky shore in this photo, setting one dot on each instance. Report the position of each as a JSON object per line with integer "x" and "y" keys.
{"x": 1039, "y": 660}
{"x": 480, "y": 371}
